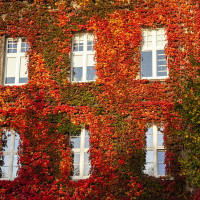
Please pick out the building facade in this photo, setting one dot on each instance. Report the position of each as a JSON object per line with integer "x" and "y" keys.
{"x": 88, "y": 90}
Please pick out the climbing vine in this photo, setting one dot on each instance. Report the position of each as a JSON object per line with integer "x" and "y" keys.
{"x": 117, "y": 108}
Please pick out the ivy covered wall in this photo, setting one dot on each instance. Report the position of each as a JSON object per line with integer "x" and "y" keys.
{"x": 117, "y": 108}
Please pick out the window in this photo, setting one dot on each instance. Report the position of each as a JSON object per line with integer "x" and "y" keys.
{"x": 16, "y": 61}
{"x": 9, "y": 142}
{"x": 83, "y": 58}
{"x": 153, "y": 62}
{"x": 155, "y": 155}
{"x": 81, "y": 163}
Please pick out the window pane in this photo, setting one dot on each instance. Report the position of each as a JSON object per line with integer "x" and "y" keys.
{"x": 7, "y": 145}
{"x": 77, "y": 74}
{"x": 76, "y": 164}
{"x": 86, "y": 169}
{"x": 149, "y": 169}
{"x": 149, "y": 137}
{"x": 80, "y": 46}
{"x": 23, "y": 75}
{"x": 10, "y": 70}
{"x": 149, "y": 156}
{"x": 75, "y": 142}
{"x": 12, "y": 46}
{"x": 90, "y": 60}
{"x": 149, "y": 140}
{"x": 16, "y": 145}
{"x": 15, "y": 160}
{"x": 76, "y": 158}
{"x": 4, "y": 160}
{"x": 78, "y": 42}
{"x": 150, "y": 131}
{"x": 86, "y": 158}
{"x": 76, "y": 171}
{"x": 160, "y": 140}
{"x": 161, "y": 63}
{"x": 91, "y": 73}
{"x": 86, "y": 142}
{"x": 14, "y": 174}
{"x": 3, "y": 172}
{"x": 146, "y": 64}
{"x": 86, "y": 133}
{"x": 24, "y": 46}
{"x": 90, "y": 45}
{"x": 161, "y": 156}
{"x": 161, "y": 169}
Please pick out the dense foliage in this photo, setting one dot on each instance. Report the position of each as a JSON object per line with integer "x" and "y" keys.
{"x": 117, "y": 108}
{"x": 189, "y": 110}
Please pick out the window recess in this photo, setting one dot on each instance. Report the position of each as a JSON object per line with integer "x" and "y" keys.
{"x": 153, "y": 61}
{"x": 15, "y": 72}
{"x": 80, "y": 146}
{"x": 82, "y": 59}
{"x": 9, "y": 142}
{"x": 155, "y": 152}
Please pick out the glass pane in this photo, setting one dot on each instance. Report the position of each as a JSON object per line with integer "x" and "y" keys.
{"x": 23, "y": 74}
{"x": 161, "y": 63}
{"x": 23, "y": 80}
{"x": 149, "y": 169}
{"x": 90, "y": 45}
{"x": 16, "y": 145}
{"x": 75, "y": 47}
{"x": 10, "y": 80}
{"x": 7, "y": 145}
{"x": 86, "y": 133}
{"x": 14, "y": 174}
{"x": 15, "y": 160}
{"x": 86, "y": 158}
{"x": 23, "y": 45}
{"x": 149, "y": 137}
{"x": 77, "y": 74}
{"x": 86, "y": 142}
{"x": 10, "y": 70}
{"x": 77, "y": 61}
{"x": 76, "y": 158}
{"x": 17, "y": 136}
{"x": 3, "y": 172}
{"x": 76, "y": 171}
{"x": 149, "y": 156}
{"x": 75, "y": 142}
{"x": 4, "y": 160}
{"x": 161, "y": 156}
{"x": 91, "y": 73}
{"x": 160, "y": 140}
{"x": 146, "y": 64}
{"x": 80, "y": 46}
{"x": 86, "y": 169}
{"x": 149, "y": 140}
{"x": 150, "y": 131}
{"x": 12, "y": 46}
{"x": 161, "y": 169}
{"x": 90, "y": 60}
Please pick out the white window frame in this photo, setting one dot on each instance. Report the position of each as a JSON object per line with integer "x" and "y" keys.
{"x": 146, "y": 47}
{"x": 82, "y": 150}
{"x": 155, "y": 148}
{"x": 18, "y": 55}
{"x": 83, "y": 53}
{"x": 11, "y": 153}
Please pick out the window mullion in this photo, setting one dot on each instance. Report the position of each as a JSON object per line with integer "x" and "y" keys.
{"x": 18, "y": 61}
{"x": 12, "y": 143}
{"x": 82, "y": 153}
{"x": 85, "y": 58}
{"x": 154, "y": 70}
